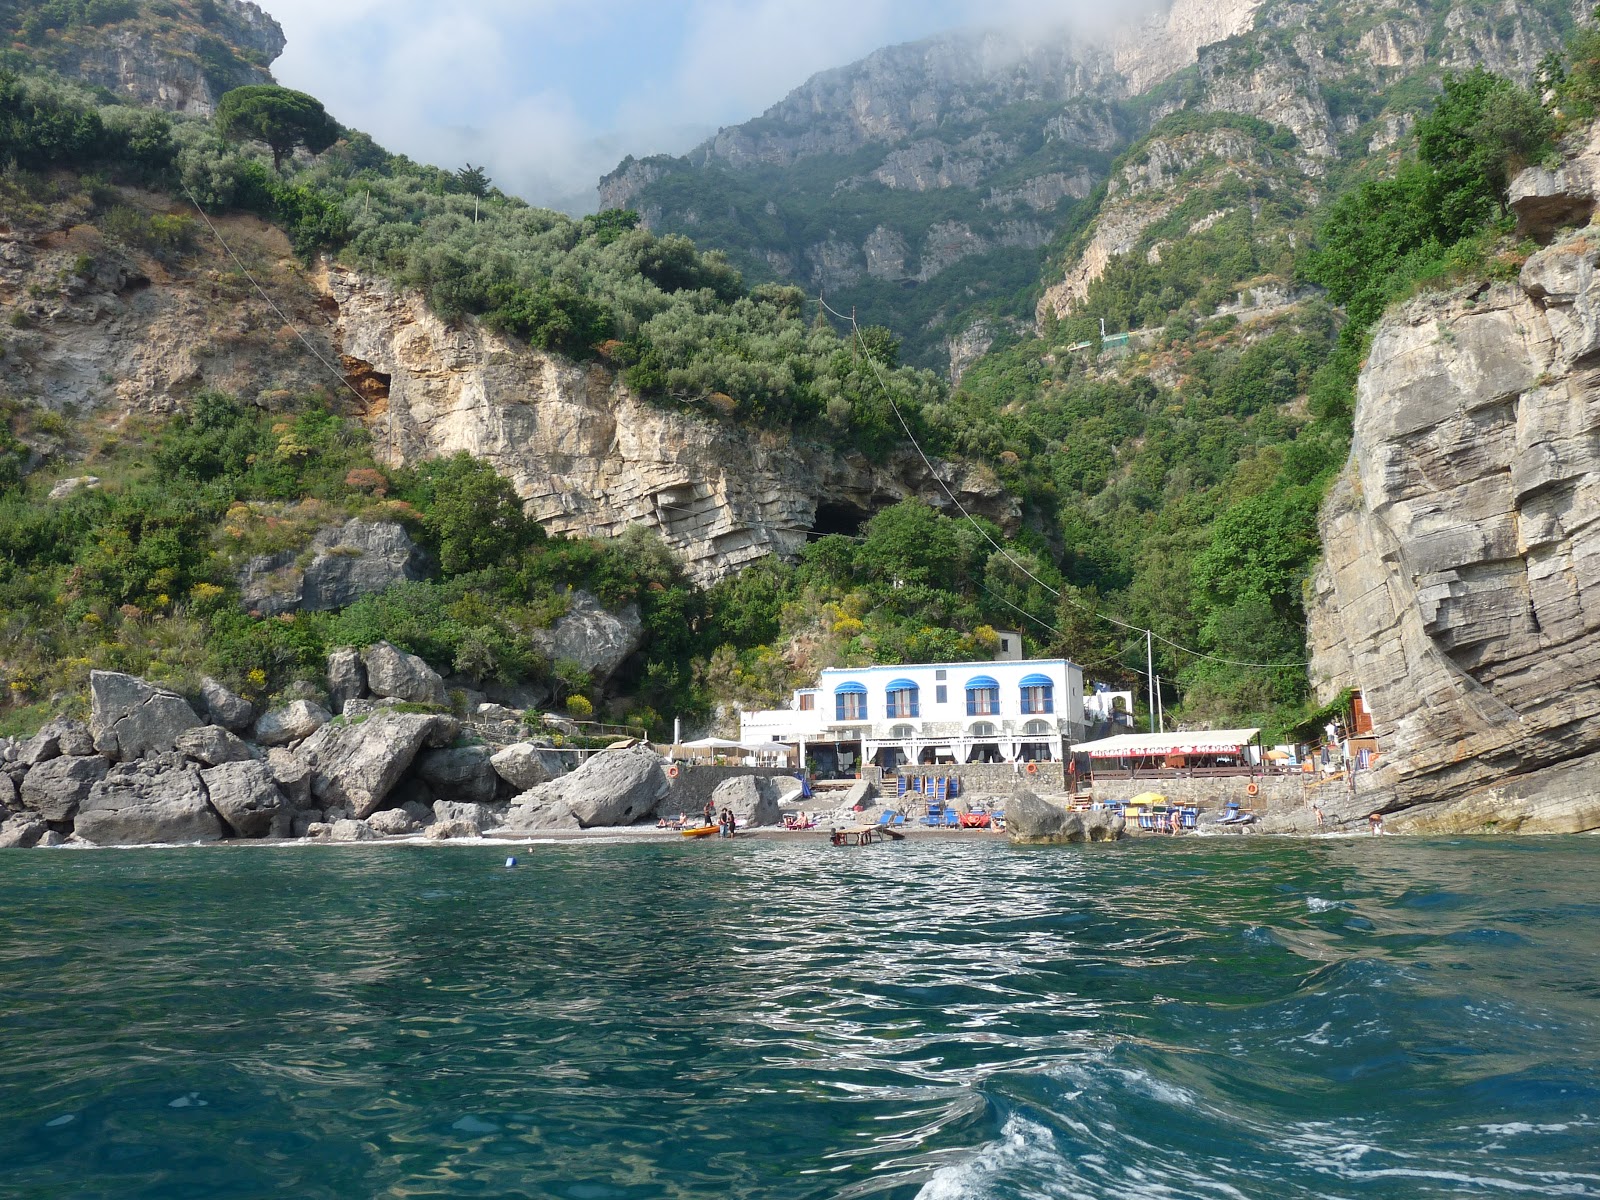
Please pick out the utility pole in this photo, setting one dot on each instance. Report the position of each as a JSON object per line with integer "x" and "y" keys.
{"x": 1150, "y": 668}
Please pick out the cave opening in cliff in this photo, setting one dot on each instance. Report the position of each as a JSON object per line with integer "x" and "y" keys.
{"x": 838, "y": 518}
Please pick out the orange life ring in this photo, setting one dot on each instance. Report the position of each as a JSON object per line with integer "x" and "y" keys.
{"x": 1251, "y": 789}
{"x": 1033, "y": 768}
{"x": 672, "y": 771}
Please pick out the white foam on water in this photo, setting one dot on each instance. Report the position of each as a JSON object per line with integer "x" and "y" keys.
{"x": 1318, "y": 904}
{"x": 1511, "y": 1127}
{"x": 1024, "y": 1148}
{"x": 188, "y": 1100}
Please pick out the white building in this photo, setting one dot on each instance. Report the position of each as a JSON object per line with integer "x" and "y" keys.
{"x": 934, "y": 713}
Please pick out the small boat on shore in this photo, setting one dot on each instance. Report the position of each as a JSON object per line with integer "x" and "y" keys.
{"x": 699, "y": 831}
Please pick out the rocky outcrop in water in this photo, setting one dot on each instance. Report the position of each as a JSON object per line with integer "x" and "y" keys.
{"x": 1462, "y": 556}
{"x": 1033, "y": 821}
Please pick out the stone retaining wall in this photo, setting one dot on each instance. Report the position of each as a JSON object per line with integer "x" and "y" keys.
{"x": 1274, "y": 792}
{"x": 994, "y": 779}
{"x": 694, "y": 785}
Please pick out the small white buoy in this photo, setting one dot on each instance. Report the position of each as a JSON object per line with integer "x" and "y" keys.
{"x": 512, "y": 861}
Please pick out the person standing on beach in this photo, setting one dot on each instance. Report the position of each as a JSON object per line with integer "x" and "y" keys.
{"x": 1321, "y": 824}
{"x": 709, "y": 812}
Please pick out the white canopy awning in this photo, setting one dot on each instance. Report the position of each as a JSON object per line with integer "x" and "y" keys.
{"x": 1194, "y": 741}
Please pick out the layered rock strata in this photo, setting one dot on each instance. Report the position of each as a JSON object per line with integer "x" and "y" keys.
{"x": 1460, "y": 589}
{"x": 590, "y": 457}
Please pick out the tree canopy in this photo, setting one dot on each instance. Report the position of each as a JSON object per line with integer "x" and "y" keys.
{"x": 281, "y": 117}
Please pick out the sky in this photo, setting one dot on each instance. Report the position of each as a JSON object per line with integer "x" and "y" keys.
{"x": 549, "y": 95}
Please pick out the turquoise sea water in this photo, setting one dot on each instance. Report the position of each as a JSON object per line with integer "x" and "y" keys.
{"x": 1206, "y": 1018}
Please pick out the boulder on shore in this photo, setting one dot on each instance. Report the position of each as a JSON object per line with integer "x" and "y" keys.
{"x": 22, "y": 832}
{"x": 291, "y": 723}
{"x": 56, "y": 788}
{"x": 614, "y": 787}
{"x": 132, "y": 719}
{"x": 347, "y": 677}
{"x": 145, "y": 802}
{"x": 441, "y": 830}
{"x": 394, "y": 673}
{"x": 1033, "y": 821}
{"x": 392, "y": 822}
{"x": 212, "y": 744}
{"x": 292, "y": 775}
{"x": 753, "y": 799}
{"x": 348, "y": 830}
{"x": 522, "y": 765}
{"x": 356, "y": 764}
{"x": 59, "y": 738}
{"x": 462, "y": 773}
{"x": 481, "y": 816}
{"x": 248, "y": 799}
{"x": 226, "y": 708}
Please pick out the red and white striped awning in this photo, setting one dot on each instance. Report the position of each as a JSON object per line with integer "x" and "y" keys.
{"x": 1147, "y": 745}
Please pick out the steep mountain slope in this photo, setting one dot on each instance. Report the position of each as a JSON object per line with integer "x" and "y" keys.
{"x": 923, "y": 182}
{"x": 176, "y": 55}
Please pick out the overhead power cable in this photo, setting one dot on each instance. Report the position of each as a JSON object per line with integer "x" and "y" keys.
{"x": 282, "y": 316}
{"x": 877, "y": 371}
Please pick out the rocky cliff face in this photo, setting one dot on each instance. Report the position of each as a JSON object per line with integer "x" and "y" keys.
{"x": 941, "y": 167}
{"x": 176, "y": 57}
{"x": 591, "y": 458}
{"x": 1296, "y": 67}
{"x": 1462, "y": 559}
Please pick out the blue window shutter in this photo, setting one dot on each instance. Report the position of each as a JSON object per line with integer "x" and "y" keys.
{"x": 972, "y": 704}
{"x": 838, "y": 705}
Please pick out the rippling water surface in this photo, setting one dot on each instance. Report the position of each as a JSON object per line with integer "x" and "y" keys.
{"x": 1207, "y": 1018}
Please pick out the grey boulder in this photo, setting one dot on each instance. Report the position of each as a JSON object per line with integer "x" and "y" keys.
{"x": 441, "y": 830}
{"x": 132, "y": 719}
{"x": 348, "y": 830}
{"x": 355, "y": 765}
{"x": 481, "y": 815}
{"x": 1032, "y": 821}
{"x": 754, "y": 800}
{"x": 22, "y": 832}
{"x": 614, "y": 787}
{"x": 523, "y": 766}
{"x": 592, "y": 636}
{"x": 60, "y": 737}
{"x": 212, "y": 744}
{"x": 292, "y": 775}
{"x": 392, "y": 822}
{"x": 358, "y": 558}
{"x": 55, "y": 789}
{"x": 462, "y": 773}
{"x": 291, "y": 723}
{"x": 141, "y": 803}
{"x": 394, "y": 673}
{"x": 226, "y": 708}
{"x": 247, "y": 798}
{"x": 347, "y": 677}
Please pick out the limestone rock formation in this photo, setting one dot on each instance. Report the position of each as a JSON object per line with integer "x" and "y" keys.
{"x": 247, "y": 798}
{"x": 212, "y": 745}
{"x": 294, "y": 721}
{"x": 226, "y": 708}
{"x": 401, "y": 676}
{"x": 592, "y": 636}
{"x": 523, "y": 766}
{"x": 130, "y": 718}
{"x": 356, "y": 765}
{"x": 61, "y": 737}
{"x": 614, "y": 787}
{"x": 589, "y": 457}
{"x": 347, "y": 677}
{"x": 1462, "y": 556}
{"x": 144, "y": 802}
{"x": 356, "y": 559}
{"x": 1033, "y": 821}
{"x": 753, "y": 800}
{"x": 461, "y": 773}
{"x": 57, "y": 787}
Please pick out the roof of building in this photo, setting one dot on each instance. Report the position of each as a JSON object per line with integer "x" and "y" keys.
{"x": 1194, "y": 741}
{"x": 952, "y": 666}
